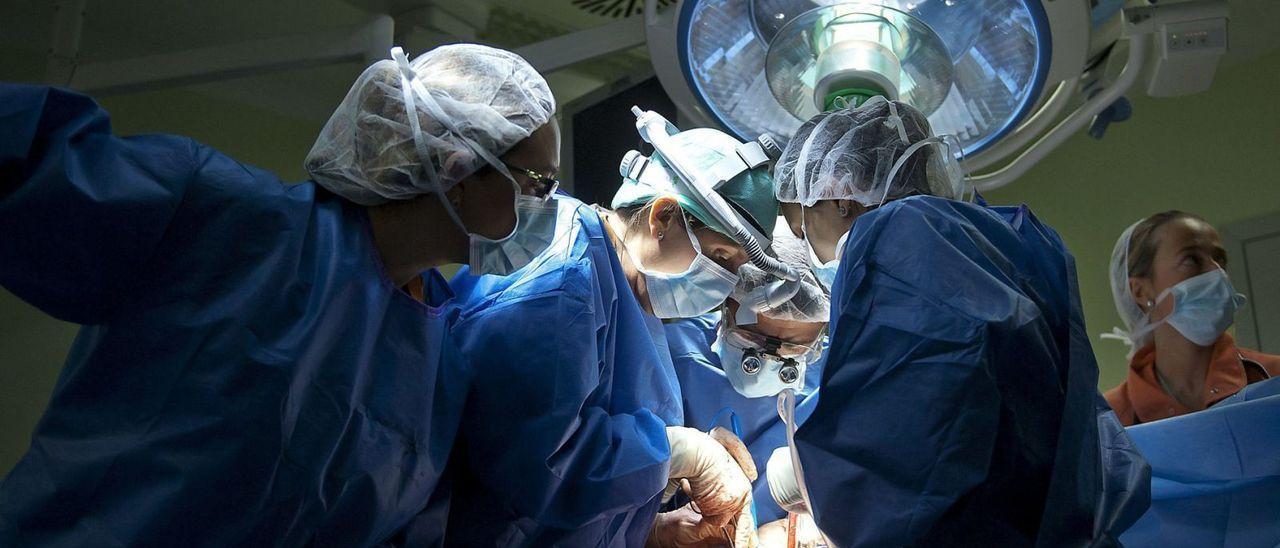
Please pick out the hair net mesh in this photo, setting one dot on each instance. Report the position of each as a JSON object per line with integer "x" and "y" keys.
{"x": 847, "y": 154}
{"x": 487, "y": 97}
{"x": 1132, "y": 316}
{"x": 809, "y": 304}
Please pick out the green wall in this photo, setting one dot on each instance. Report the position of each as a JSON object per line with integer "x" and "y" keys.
{"x": 1214, "y": 153}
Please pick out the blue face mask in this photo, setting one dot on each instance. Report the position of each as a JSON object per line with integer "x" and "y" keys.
{"x": 1204, "y": 306}
{"x": 535, "y": 229}
{"x": 825, "y": 272}
{"x": 699, "y": 289}
{"x": 755, "y": 372}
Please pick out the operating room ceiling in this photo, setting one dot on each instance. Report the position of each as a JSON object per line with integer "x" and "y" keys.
{"x": 121, "y": 29}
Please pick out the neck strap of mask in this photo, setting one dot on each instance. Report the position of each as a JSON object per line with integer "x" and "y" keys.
{"x": 411, "y": 112}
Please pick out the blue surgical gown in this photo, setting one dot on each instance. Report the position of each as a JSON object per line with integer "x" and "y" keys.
{"x": 959, "y": 392}
{"x": 563, "y": 440}
{"x": 1216, "y": 474}
{"x": 708, "y": 399}
{"x": 246, "y": 373}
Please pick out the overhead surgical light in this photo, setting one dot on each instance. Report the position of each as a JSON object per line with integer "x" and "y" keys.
{"x": 997, "y": 74}
{"x": 839, "y": 56}
{"x": 764, "y": 66}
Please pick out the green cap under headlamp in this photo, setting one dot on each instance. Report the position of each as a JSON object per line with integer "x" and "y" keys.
{"x": 749, "y": 193}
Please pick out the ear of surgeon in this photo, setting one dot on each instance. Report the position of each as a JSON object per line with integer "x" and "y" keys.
{"x": 662, "y": 244}
{"x": 678, "y": 266}
{"x": 486, "y": 200}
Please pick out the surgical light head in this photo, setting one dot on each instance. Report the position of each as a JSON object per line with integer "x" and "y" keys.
{"x": 843, "y": 54}
{"x": 472, "y": 104}
{"x": 975, "y": 67}
{"x": 879, "y": 151}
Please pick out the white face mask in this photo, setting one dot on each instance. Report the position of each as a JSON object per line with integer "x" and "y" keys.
{"x": 532, "y": 234}
{"x": 698, "y": 290}
{"x": 1204, "y": 306}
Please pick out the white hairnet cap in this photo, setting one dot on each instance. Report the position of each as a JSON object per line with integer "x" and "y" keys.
{"x": 849, "y": 154}
{"x": 482, "y": 101}
{"x": 809, "y": 303}
{"x": 1132, "y": 316}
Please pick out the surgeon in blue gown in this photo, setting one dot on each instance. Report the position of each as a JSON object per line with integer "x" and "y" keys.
{"x": 260, "y": 363}
{"x": 959, "y": 391}
{"x": 716, "y": 393}
{"x": 572, "y": 426}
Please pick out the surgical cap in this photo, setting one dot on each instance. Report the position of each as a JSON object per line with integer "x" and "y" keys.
{"x": 810, "y": 302}
{"x": 847, "y": 154}
{"x": 483, "y": 101}
{"x": 1126, "y": 306}
{"x": 751, "y": 192}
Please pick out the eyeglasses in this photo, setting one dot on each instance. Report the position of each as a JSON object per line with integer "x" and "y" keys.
{"x": 544, "y": 186}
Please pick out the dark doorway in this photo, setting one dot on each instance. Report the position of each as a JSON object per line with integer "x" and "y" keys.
{"x": 605, "y": 131}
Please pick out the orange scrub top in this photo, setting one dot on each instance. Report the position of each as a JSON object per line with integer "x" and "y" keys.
{"x": 1141, "y": 398}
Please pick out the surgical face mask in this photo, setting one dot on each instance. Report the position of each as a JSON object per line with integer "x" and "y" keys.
{"x": 824, "y": 272}
{"x": 1204, "y": 306}
{"x": 756, "y": 372}
{"x": 534, "y": 230}
{"x": 698, "y": 290}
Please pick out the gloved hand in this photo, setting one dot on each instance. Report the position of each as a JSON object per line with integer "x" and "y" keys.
{"x": 774, "y": 533}
{"x": 782, "y": 482}
{"x": 686, "y": 527}
{"x": 716, "y": 471}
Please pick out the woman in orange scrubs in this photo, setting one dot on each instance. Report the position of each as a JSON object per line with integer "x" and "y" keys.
{"x": 1170, "y": 288}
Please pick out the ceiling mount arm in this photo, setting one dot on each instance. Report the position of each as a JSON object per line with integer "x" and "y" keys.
{"x": 1028, "y": 130}
{"x": 1073, "y": 123}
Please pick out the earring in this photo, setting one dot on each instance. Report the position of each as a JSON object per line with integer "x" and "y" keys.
{"x": 1150, "y": 303}
{"x": 843, "y": 211}
{"x": 660, "y": 235}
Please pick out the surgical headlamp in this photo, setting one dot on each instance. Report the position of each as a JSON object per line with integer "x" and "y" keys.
{"x": 701, "y": 184}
